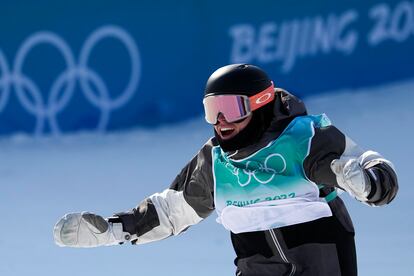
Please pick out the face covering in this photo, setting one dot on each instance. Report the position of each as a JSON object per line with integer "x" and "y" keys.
{"x": 252, "y": 132}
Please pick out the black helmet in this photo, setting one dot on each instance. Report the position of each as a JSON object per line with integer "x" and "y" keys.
{"x": 242, "y": 79}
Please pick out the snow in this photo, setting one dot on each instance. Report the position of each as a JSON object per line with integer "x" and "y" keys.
{"x": 42, "y": 179}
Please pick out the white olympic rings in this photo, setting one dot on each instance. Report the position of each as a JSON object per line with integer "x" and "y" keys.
{"x": 62, "y": 89}
{"x": 267, "y": 169}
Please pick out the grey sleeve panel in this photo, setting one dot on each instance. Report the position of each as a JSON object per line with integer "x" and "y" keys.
{"x": 197, "y": 183}
{"x": 327, "y": 144}
{"x": 189, "y": 199}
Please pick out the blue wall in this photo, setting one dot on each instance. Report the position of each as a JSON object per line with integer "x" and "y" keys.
{"x": 89, "y": 65}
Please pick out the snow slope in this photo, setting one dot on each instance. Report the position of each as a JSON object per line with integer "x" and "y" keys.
{"x": 42, "y": 179}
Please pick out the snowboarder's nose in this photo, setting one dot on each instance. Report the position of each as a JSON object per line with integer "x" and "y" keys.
{"x": 221, "y": 118}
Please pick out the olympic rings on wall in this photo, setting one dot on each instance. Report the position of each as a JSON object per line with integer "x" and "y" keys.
{"x": 63, "y": 87}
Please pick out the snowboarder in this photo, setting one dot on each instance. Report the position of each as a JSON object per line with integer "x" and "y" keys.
{"x": 271, "y": 172}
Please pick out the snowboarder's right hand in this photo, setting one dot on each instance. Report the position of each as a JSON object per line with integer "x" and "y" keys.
{"x": 87, "y": 230}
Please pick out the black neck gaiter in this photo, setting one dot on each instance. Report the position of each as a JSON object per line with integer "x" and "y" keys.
{"x": 251, "y": 133}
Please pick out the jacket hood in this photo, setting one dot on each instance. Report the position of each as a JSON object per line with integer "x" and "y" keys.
{"x": 286, "y": 108}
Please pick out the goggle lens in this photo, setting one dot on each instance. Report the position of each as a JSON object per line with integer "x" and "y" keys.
{"x": 235, "y": 107}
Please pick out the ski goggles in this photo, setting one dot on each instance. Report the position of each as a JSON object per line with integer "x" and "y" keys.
{"x": 235, "y": 107}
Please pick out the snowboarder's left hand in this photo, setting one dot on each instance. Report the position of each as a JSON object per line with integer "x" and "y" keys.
{"x": 369, "y": 178}
{"x": 87, "y": 230}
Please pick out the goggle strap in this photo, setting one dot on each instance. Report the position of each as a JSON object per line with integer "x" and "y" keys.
{"x": 262, "y": 98}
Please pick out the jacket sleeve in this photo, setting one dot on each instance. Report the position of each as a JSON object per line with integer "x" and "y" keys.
{"x": 329, "y": 144}
{"x": 186, "y": 202}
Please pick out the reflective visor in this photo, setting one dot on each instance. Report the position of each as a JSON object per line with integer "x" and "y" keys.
{"x": 235, "y": 107}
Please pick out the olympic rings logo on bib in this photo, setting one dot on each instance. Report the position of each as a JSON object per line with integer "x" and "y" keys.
{"x": 263, "y": 174}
